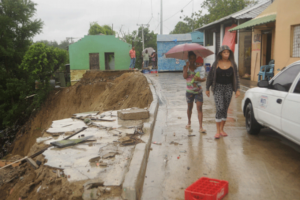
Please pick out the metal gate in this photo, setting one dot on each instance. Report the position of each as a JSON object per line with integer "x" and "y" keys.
{"x": 94, "y": 61}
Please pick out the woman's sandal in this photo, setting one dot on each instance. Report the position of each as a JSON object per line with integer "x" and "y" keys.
{"x": 217, "y": 136}
{"x": 223, "y": 134}
{"x": 188, "y": 126}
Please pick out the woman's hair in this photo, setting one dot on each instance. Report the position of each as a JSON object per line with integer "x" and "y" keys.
{"x": 231, "y": 56}
{"x": 191, "y": 53}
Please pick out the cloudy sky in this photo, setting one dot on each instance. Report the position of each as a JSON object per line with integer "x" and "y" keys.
{"x": 71, "y": 18}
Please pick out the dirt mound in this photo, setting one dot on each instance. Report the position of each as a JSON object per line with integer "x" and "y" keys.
{"x": 97, "y": 91}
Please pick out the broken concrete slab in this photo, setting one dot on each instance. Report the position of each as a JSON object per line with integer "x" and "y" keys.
{"x": 133, "y": 114}
{"x": 66, "y": 125}
{"x": 129, "y": 131}
{"x": 86, "y": 114}
{"x": 70, "y": 142}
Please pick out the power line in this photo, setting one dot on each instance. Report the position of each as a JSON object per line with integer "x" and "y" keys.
{"x": 178, "y": 11}
{"x": 140, "y": 11}
{"x": 156, "y": 27}
{"x": 151, "y": 13}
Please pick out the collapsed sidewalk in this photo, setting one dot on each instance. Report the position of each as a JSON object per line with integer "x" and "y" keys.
{"x": 102, "y": 150}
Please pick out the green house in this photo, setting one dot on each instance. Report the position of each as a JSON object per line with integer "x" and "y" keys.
{"x": 98, "y": 52}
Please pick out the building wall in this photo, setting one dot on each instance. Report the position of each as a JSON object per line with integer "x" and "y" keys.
{"x": 287, "y": 15}
{"x": 79, "y": 52}
{"x": 168, "y": 64}
{"x": 197, "y": 37}
{"x": 271, "y": 9}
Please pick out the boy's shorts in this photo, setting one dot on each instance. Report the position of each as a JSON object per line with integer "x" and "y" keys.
{"x": 190, "y": 97}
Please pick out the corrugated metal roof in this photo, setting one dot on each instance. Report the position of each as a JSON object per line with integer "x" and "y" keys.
{"x": 255, "y": 22}
{"x": 246, "y": 13}
{"x": 173, "y": 37}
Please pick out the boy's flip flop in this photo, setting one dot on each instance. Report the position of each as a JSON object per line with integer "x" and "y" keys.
{"x": 202, "y": 131}
{"x": 188, "y": 126}
{"x": 217, "y": 136}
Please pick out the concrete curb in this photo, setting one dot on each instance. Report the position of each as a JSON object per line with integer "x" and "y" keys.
{"x": 134, "y": 179}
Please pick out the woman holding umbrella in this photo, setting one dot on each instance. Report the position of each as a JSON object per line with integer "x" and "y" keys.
{"x": 193, "y": 92}
{"x": 223, "y": 79}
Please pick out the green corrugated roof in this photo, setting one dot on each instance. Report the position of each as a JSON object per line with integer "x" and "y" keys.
{"x": 255, "y": 22}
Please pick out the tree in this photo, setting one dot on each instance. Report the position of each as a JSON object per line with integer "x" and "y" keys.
{"x": 96, "y": 29}
{"x": 63, "y": 44}
{"x": 216, "y": 10}
{"x": 40, "y": 61}
{"x": 181, "y": 27}
{"x": 150, "y": 41}
{"x": 17, "y": 30}
{"x": 135, "y": 38}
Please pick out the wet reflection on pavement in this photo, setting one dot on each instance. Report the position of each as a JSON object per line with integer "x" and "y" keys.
{"x": 263, "y": 166}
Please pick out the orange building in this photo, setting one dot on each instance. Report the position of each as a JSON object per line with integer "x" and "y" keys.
{"x": 275, "y": 35}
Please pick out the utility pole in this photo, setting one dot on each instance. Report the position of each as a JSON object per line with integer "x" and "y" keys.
{"x": 142, "y": 25}
{"x": 161, "y": 17}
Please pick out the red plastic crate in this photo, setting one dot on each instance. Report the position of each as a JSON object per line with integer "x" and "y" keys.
{"x": 206, "y": 189}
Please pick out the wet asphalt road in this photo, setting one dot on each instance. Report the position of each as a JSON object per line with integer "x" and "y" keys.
{"x": 263, "y": 166}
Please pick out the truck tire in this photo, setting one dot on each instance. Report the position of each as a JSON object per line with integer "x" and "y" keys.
{"x": 252, "y": 126}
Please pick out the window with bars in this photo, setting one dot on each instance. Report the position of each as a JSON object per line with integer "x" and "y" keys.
{"x": 295, "y": 40}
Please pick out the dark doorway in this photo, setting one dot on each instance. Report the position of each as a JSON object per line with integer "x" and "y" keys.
{"x": 266, "y": 47}
{"x": 247, "y": 54}
{"x": 94, "y": 61}
{"x": 218, "y": 42}
{"x": 109, "y": 61}
{"x": 269, "y": 48}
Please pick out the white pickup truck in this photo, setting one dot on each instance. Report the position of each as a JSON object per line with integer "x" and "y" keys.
{"x": 275, "y": 104}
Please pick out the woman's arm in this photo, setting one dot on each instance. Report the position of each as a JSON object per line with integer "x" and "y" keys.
{"x": 237, "y": 93}
{"x": 209, "y": 80}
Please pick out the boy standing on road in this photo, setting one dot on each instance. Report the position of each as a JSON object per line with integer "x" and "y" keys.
{"x": 132, "y": 56}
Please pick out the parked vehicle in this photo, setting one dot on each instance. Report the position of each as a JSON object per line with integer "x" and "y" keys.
{"x": 275, "y": 104}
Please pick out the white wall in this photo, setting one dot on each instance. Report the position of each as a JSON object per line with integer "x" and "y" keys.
{"x": 210, "y": 59}
{"x": 236, "y": 54}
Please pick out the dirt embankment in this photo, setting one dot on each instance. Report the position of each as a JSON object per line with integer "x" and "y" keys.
{"x": 97, "y": 91}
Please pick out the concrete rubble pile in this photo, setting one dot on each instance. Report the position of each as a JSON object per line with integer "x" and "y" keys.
{"x": 94, "y": 147}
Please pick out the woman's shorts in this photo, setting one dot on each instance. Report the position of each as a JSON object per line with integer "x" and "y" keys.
{"x": 190, "y": 97}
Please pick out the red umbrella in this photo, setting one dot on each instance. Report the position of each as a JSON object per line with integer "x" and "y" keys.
{"x": 181, "y": 51}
